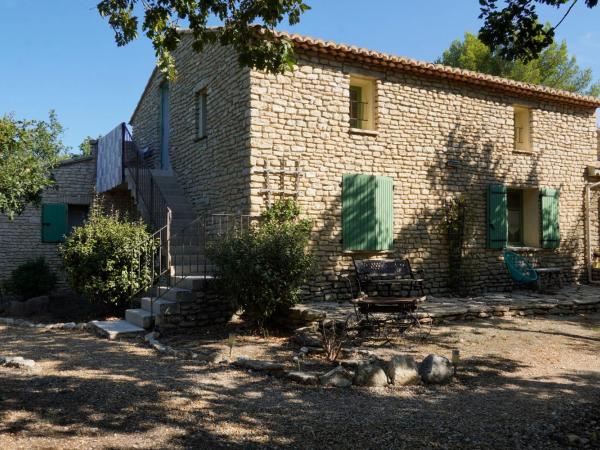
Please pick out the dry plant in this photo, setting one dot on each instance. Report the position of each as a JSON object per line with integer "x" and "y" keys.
{"x": 333, "y": 336}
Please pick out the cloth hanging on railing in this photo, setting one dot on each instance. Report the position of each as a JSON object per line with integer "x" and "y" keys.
{"x": 109, "y": 166}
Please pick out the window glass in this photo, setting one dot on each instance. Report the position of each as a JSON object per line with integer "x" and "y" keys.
{"x": 514, "y": 201}
{"x": 201, "y": 114}
{"x": 356, "y": 107}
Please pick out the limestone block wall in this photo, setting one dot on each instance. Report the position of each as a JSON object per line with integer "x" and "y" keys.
{"x": 20, "y": 239}
{"x": 436, "y": 139}
{"x": 213, "y": 171}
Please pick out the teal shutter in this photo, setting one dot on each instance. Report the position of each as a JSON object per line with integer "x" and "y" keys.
{"x": 550, "y": 218}
{"x": 54, "y": 222}
{"x": 367, "y": 212}
{"x": 497, "y": 216}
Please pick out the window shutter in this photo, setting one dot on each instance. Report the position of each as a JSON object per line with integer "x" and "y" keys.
{"x": 367, "y": 212}
{"x": 497, "y": 215}
{"x": 550, "y": 218}
{"x": 54, "y": 222}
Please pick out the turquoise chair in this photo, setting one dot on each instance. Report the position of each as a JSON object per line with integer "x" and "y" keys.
{"x": 519, "y": 268}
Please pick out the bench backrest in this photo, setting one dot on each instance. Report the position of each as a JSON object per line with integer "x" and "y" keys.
{"x": 366, "y": 268}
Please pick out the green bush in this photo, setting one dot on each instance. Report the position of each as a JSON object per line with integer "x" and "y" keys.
{"x": 263, "y": 268}
{"x": 32, "y": 279}
{"x": 109, "y": 258}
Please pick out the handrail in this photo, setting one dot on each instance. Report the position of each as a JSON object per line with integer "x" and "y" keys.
{"x": 148, "y": 195}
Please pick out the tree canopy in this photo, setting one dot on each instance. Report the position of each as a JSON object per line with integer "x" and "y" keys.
{"x": 514, "y": 30}
{"x": 29, "y": 150}
{"x": 247, "y": 25}
{"x": 553, "y": 68}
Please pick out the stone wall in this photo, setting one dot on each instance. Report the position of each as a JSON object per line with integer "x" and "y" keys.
{"x": 20, "y": 239}
{"x": 214, "y": 171}
{"x": 201, "y": 307}
{"x": 435, "y": 138}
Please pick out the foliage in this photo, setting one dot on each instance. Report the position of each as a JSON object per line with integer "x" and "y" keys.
{"x": 454, "y": 223}
{"x": 333, "y": 337}
{"x": 29, "y": 150}
{"x": 109, "y": 258}
{"x": 264, "y": 267}
{"x": 257, "y": 46}
{"x": 554, "y": 67}
{"x": 32, "y": 279}
{"x": 85, "y": 148}
{"x": 514, "y": 30}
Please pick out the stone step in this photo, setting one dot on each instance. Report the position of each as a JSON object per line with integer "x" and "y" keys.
{"x": 156, "y": 305}
{"x": 139, "y": 317}
{"x": 115, "y": 329}
{"x": 190, "y": 270}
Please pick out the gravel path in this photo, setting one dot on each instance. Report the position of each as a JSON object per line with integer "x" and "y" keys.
{"x": 524, "y": 383}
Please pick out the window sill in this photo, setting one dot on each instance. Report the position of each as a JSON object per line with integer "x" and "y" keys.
{"x": 364, "y": 132}
{"x": 523, "y": 151}
{"x": 200, "y": 139}
{"x": 524, "y": 249}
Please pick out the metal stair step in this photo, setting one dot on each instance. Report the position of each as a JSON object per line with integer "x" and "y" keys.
{"x": 139, "y": 317}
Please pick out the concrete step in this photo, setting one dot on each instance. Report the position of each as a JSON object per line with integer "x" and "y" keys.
{"x": 139, "y": 317}
{"x": 156, "y": 305}
{"x": 115, "y": 329}
{"x": 181, "y": 270}
{"x": 167, "y": 293}
{"x": 191, "y": 282}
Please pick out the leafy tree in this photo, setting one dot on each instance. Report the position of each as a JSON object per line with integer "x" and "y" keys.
{"x": 29, "y": 150}
{"x": 256, "y": 45}
{"x": 514, "y": 30}
{"x": 554, "y": 67}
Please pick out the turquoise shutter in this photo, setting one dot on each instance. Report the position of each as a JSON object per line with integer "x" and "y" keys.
{"x": 367, "y": 212}
{"x": 497, "y": 216}
{"x": 550, "y": 218}
{"x": 54, "y": 222}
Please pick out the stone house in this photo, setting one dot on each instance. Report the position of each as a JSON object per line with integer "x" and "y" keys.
{"x": 373, "y": 146}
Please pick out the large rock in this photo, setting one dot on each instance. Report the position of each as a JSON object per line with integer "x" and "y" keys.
{"x": 255, "y": 364}
{"x": 28, "y": 307}
{"x": 303, "y": 377}
{"x": 402, "y": 370}
{"x": 338, "y": 377}
{"x": 436, "y": 369}
{"x": 370, "y": 375}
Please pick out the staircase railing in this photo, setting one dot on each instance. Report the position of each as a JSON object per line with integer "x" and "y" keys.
{"x": 189, "y": 245}
{"x": 136, "y": 169}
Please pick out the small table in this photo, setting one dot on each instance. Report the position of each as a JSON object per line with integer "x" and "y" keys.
{"x": 549, "y": 273}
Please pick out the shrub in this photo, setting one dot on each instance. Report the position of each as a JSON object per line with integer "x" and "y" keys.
{"x": 264, "y": 267}
{"x": 109, "y": 258}
{"x": 32, "y": 279}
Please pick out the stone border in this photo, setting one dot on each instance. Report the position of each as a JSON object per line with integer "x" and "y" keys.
{"x": 202, "y": 357}
{"x": 79, "y": 326}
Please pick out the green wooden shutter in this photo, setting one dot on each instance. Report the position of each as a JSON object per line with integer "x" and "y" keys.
{"x": 550, "y": 218}
{"x": 497, "y": 216}
{"x": 367, "y": 212}
{"x": 54, "y": 222}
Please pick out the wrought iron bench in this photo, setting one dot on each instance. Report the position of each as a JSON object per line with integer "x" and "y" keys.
{"x": 388, "y": 272}
{"x": 386, "y": 313}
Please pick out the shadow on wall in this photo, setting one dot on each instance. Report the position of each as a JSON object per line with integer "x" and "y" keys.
{"x": 469, "y": 162}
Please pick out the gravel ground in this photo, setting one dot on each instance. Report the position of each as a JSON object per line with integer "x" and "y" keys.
{"x": 523, "y": 383}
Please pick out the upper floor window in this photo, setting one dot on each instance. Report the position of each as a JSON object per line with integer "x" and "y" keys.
{"x": 200, "y": 107}
{"x": 523, "y": 136}
{"x": 362, "y": 103}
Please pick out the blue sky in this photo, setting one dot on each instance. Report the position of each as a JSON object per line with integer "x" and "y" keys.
{"x": 61, "y": 55}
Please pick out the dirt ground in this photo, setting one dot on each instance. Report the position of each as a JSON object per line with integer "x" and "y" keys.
{"x": 522, "y": 383}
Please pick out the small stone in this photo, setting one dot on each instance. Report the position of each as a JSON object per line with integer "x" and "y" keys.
{"x": 338, "y": 377}
{"x": 370, "y": 375}
{"x": 402, "y": 370}
{"x": 303, "y": 377}
{"x": 69, "y": 326}
{"x": 436, "y": 370}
